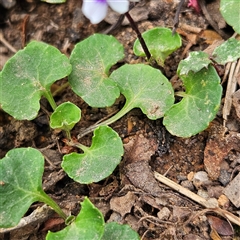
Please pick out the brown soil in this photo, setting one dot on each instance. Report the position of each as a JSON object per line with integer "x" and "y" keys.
{"x": 131, "y": 195}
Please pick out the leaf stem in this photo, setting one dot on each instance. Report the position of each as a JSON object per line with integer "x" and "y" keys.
{"x": 50, "y": 99}
{"x": 43, "y": 197}
{"x": 139, "y": 35}
{"x": 127, "y": 107}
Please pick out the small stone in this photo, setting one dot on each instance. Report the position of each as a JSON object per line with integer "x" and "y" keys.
{"x": 187, "y": 184}
{"x": 211, "y": 203}
{"x": 215, "y": 191}
{"x": 164, "y": 213}
{"x": 200, "y": 178}
{"x": 223, "y": 201}
{"x": 224, "y": 177}
{"x": 190, "y": 176}
{"x": 203, "y": 193}
{"x": 232, "y": 191}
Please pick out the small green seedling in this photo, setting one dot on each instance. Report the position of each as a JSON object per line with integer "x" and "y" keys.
{"x": 160, "y": 42}
{"x": 28, "y": 76}
{"x": 19, "y": 191}
{"x": 65, "y": 117}
{"x": 91, "y": 63}
{"x": 89, "y": 224}
{"x": 21, "y": 173}
{"x": 98, "y": 161}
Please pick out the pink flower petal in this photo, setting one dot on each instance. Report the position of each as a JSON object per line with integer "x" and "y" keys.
{"x": 194, "y": 4}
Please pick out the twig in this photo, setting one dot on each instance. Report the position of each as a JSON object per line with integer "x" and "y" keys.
{"x": 196, "y": 198}
{"x": 6, "y": 43}
{"x": 38, "y": 216}
{"x": 231, "y": 88}
{"x": 176, "y": 18}
{"x": 139, "y": 35}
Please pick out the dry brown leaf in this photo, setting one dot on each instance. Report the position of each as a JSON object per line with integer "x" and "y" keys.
{"x": 124, "y": 204}
{"x": 210, "y": 36}
{"x": 221, "y": 226}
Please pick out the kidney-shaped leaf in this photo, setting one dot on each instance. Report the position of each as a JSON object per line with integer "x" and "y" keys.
{"x": 28, "y": 75}
{"x": 98, "y": 161}
{"x": 65, "y": 116}
{"x": 230, "y": 9}
{"x": 160, "y": 42}
{"x": 229, "y": 51}
{"x": 20, "y": 183}
{"x": 91, "y": 60}
{"x": 198, "y": 106}
{"x": 89, "y": 224}
{"x": 144, "y": 87}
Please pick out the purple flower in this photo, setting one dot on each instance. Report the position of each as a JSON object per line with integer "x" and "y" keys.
{"x": 96, "y": 10}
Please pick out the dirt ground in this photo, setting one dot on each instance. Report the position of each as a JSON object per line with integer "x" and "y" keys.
{"x": 205, "y": 164}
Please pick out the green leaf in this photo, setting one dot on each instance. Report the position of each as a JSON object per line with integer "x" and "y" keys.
{"x": 144, "y": 87}
{"x": 89, "y": 224}
{"x": 230, "y": 10}
{"x": 98, "y": 161}
{"x": 229, "y": 51}
{"x": 198, "y": 106}
{"x": 194, "y": 62}
{"x": 21, "y": 173}
{"x": 65, "y": 116}
{"x": 115, "y": 231}
{"x": 91, "y": 60}
{"x": 160, "y": 42}
{"x": 28, "y": 75}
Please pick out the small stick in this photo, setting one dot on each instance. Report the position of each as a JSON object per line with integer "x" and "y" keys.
{"x": 234, "y": 219}
{"x": 6, "y": 43}
{"x": 176, "y": 18}
{"x": 139, "y": 35}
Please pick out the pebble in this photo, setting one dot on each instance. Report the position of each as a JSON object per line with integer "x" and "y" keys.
{"x": 164, "y": 213}
{"x": 200, "y": 178}
{"x": 187, "y": 184}
{"x": 215, "y": 191}
{"x": 203, "y": 193}
{"x": 232, "y": 191}
{"x": 224, "y": 177}
{"x": 223, "y": 202}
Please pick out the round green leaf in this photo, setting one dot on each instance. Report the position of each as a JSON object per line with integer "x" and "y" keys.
{"x": 194, "y": 62}
{"x": 91, "y": 60}
{"x": 230, "y": 9}
{"x": 198, "y": 106}
{"x": 89, "y": 224}
{"x": 28, "y": 75}
{"x": 98, "y": 161}
{"x": 65, "y": 116}
{"x": 160, "y": 42}
{"x": 229, "y": 51}
{"x": 21, "y": 173}
{"x": 146, "y": 88}
{"x": 115, "y": 231}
